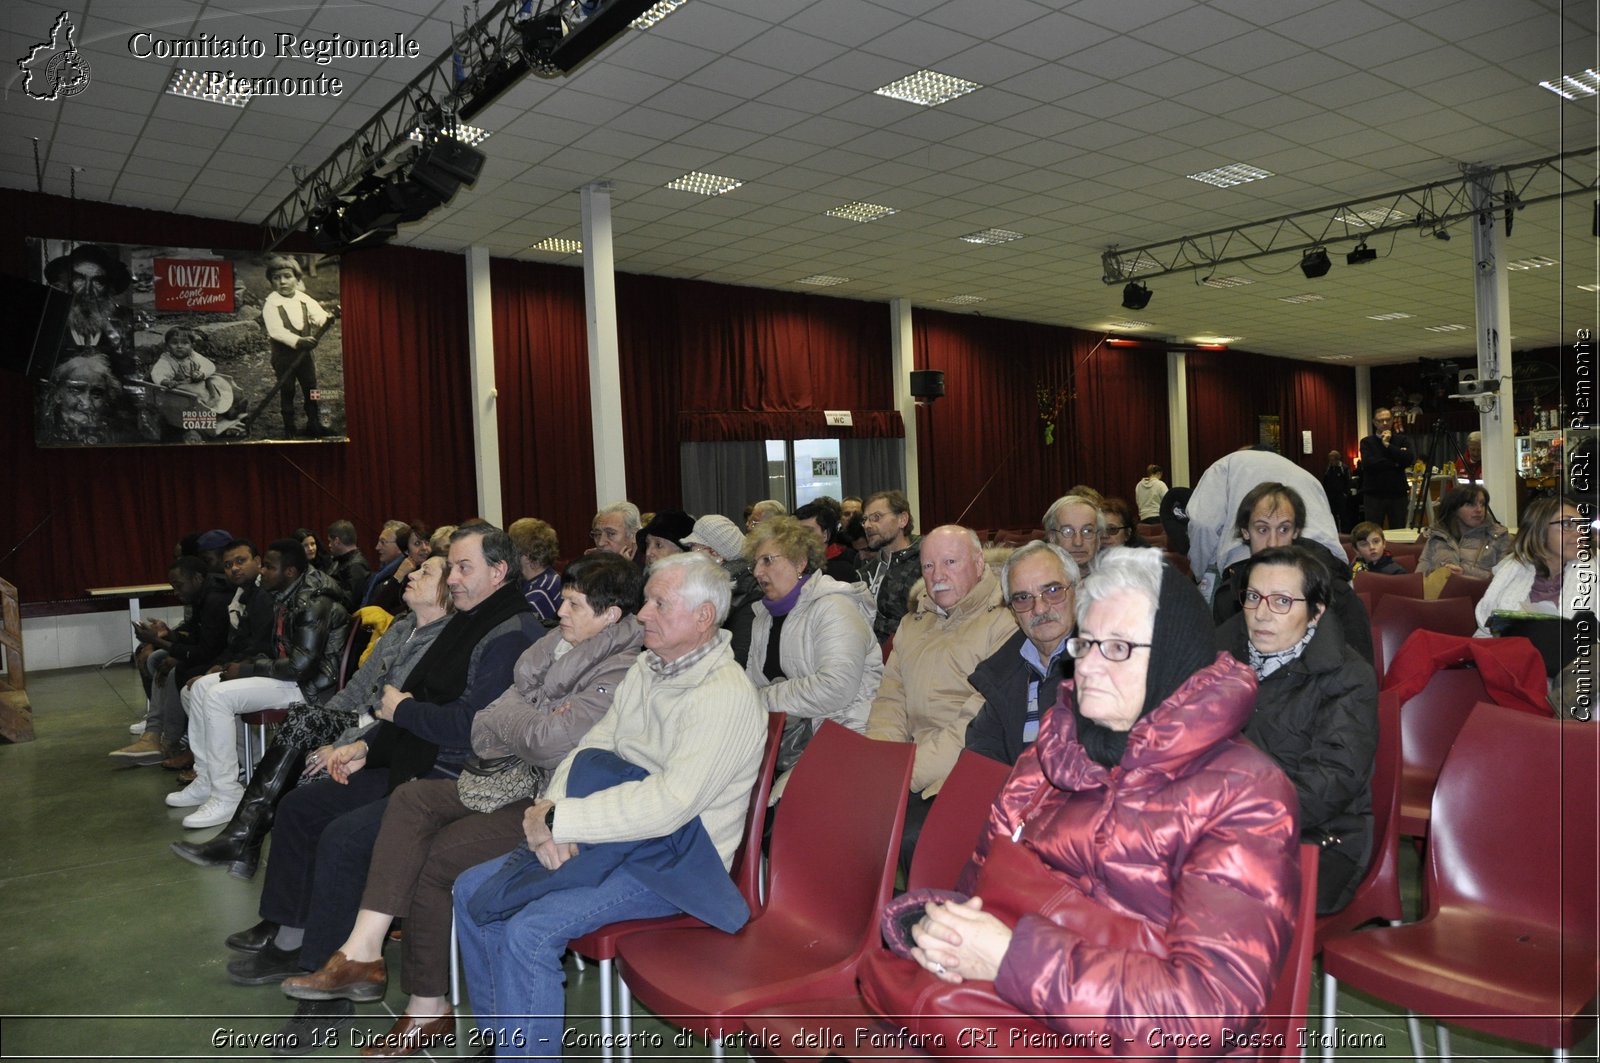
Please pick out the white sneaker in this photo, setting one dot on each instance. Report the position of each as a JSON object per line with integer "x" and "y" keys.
{"x": 214, "y": 813}
{"x": 136, "y": 728}
{"x": 196, "y": 793}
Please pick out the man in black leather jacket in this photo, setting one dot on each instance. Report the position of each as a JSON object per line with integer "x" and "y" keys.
{"x": 309, "y": 625}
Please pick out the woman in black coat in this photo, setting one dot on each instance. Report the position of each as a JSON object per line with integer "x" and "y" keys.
{"x": 1316, "y": 708}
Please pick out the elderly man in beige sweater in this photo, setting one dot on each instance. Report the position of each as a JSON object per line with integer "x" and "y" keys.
{"x": 686, "y": 714}
{"x": 926, "y": 695}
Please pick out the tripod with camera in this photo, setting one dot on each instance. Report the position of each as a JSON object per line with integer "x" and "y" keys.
{"x": 1434, "y": 452}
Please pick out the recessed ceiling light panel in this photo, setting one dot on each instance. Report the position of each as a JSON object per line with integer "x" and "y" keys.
{"x": 198, "y": 85}
{"x": 1536, "y": 262}
{"x": 560, "y": 245}
{"x": 705, "y": 184}
{"x": 1444, "y": 328}
{"x": 655, "y": 13}
{"x": 1370, "y": 219}
{"x": 822, "y": 280}
{"x": 1397, "y": 316}
{"x": 1235, "y": 173}
{"x": 1297, "y": 299}
{"x": 859, "y": 211}
{"x": 1574, "y": 86}
{"x": 992, "y": 236}
{"x": 928, "y": 88}
{"x": 1128, "y": 326}
{"x": 963, "y": 300}
{"x": 1226, "y": 282}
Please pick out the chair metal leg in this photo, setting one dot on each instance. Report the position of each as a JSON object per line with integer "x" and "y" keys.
{"x": 625, "y": 1011}
{"x": 1415, "y": 1026}
{"x": 1330, "y": 1011}
{"x": 716, "y": 1048}
{"x": 605, "y": 1009}
{"x": 455, "y": 961}
{"x": 249, "y": 755}
{"x": 1442, "y": 1034}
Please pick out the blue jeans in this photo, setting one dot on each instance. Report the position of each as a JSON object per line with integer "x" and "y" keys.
{"x": 513, "y": 969}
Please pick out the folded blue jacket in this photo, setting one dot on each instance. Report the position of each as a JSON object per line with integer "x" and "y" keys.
{"x": 683, "y": 868}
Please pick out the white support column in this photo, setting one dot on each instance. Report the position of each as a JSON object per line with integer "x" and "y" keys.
{"x": 1178, "y": 418}
{"x": 900, "y": 346}
{"x": 485, "y": 410}
{"x": 1493, "y": 292}
{"x": 605, "y": 387}
{"x": 1363, "y": 403}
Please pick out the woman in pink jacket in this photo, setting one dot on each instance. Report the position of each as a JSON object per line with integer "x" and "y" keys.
{"x": 1136, "y": 881}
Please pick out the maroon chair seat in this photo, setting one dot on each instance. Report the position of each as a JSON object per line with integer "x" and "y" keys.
{"x": 1407, "y": 586}
{"x": 1429, "y": 724}
{"x": 1469, "y": 587}
{"x": 831, "y": 867}
{"x": 1508, "y": 944}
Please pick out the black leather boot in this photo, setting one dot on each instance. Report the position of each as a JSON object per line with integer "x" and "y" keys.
{"x": 239, "y": 844}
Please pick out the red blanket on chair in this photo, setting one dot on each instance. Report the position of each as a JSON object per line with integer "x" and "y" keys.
{"x": 1512, "y": 670}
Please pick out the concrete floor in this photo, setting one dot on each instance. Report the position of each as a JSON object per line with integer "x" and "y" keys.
{"x": 113, "y": 948}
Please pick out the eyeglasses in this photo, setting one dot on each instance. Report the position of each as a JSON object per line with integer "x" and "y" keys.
{"x": 768, "y": 560}
{"x": 1578, "y": 523}
{"x": 1083, "y": 534}
{"x": 1278, "y": 603}
{"x": 1110, "y": 649}
{"x": 1115, "y": 529}
{"x": 1052, "y": 593}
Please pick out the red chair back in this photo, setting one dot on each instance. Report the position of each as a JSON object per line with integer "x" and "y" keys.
{"x": 1378, "y": 895}
{"x": 950, "y": 833}
{"x": 1429, "y": 723}
{"x": 846, "y": 798}
{"x": 746, "y": 869}
{"x": 1407, "y": 561}
{"x": 1407, "y": 586}
{"x": 1514, "y": 823}
{"x": 356, "y": 638}
{"x": 1287, "y": 1003}
{"x": 1178, "y": 561}
{"x": 1468, "y": 587}
{"x": 1395, "y": 618}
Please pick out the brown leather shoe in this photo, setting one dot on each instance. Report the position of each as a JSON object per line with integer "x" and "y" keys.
{"x": 180, "y": 760}
{"x": 341, "y": 978}
{"x": 409, "y": 1035}
{"x": 188, "y": 775}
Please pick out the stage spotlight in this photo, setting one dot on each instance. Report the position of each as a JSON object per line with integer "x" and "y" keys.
{"x": 1135, "y": 296}
{"x": 1315, "y": 263}
{"x": 1441, "y": 233}
{"x": 1362, "y": 253}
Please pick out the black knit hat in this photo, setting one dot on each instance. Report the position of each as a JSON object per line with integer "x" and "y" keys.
{"x": 673, "y": 524}
{"x": 1182, "y": 642}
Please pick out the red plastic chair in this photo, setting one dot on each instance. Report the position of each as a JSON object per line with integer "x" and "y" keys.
{"x": 1396, "y": 618}
{"x": 1378, "y": 894}
{"x": 1507, "y": 946}
{"x": 789, "y": 1029}
{"x": 1178, "y": 561}
{"x": 1407, "y": 561}
{"x": 1407, "y": 586}
{"x": 1288, "y": 1005}
{"x": 831, "y": 866}
{"x": 601, "y": 945}
{"x": 1429, "y": 724}
{"x": 1469, "y": 587}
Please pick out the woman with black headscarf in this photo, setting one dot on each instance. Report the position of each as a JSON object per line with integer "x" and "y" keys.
{"x": 1139, "y": 869}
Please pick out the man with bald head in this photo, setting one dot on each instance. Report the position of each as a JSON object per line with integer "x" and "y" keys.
{"x": 926, "y": 696}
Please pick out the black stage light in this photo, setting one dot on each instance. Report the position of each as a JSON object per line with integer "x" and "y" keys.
{"x": 1135, "y": 296}
{"x": 1362, "y": 253}
{"x": 1315, "y": 263}
{"x": 445, "y": 165}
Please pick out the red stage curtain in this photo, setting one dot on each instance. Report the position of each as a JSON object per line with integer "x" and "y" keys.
{"x": 715, "y": 363}
{"x": 110, "y": 516}
{"x": 541, "y": 370}
{"x": 1227, "y": 389}
{"x": 982, "y": 451}
{"x": 1320, "y": 399}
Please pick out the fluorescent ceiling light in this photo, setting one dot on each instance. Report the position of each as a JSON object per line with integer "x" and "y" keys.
{"x": 466, "y": 134}
{"x": 1370, "y": 219}
{"x": 1574, "y": 86}
{"x": 928, "y": 88}
{"x": 197, "y": 85}
{"x": 992, "y": 236}
{"x": 1444, "y": 328}
{"x": 1226, "y": 282}
{"x": 1536, "y": 262}
{"x": 1336, "y": 357}
{"x": 1235, "y": 173}
{"x": 963, "y": 300}
{"x": 1589, "y": 287}
{"x": 1128, "y": 326}
{"x": 859, "y": 211}
{"x": 1397, "y": 316}
{"x": 560, "y": 245}
{"x": 706, "y": 184}
{"x": 822, "y": 280}
{"x": 1219, "y": 340}
{"x": 655, "y": 13}
{"x": 1302, "y": 299}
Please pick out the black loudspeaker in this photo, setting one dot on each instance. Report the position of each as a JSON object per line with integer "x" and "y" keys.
{"x": 448, "y": 158}
{"x": 927, "y": 384}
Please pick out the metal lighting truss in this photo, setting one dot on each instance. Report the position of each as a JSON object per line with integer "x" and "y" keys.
{"x": 1426, "y": 208}
{"x": 479, "y": 58}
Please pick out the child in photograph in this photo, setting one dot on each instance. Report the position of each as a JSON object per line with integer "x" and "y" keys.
{"x": 1372, "y": 552}
{"x": 195, "y": 397}
{"x": 293, "y": 321}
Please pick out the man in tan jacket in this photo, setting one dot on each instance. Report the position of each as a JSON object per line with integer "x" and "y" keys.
{"x": 926, "y": 697}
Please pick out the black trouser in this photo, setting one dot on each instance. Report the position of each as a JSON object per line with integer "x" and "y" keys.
{"x": 305, "y": 375}
{"x": 1381, "y": 508}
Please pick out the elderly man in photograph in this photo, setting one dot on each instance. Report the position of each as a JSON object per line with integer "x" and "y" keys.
{"x": 672, "y": 764}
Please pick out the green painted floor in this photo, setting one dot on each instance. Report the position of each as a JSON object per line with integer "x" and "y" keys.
{"x": 111, "y": 947}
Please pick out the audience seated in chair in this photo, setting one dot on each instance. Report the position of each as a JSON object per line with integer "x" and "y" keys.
{"x": 891, "y": 563}
{"x": 349, "y": 569}
{"x": 615, "y": 529}
{"x": 1465, "y": 537}
{"x": 1075, "y": 523}
{"x": 538, "y": 548}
